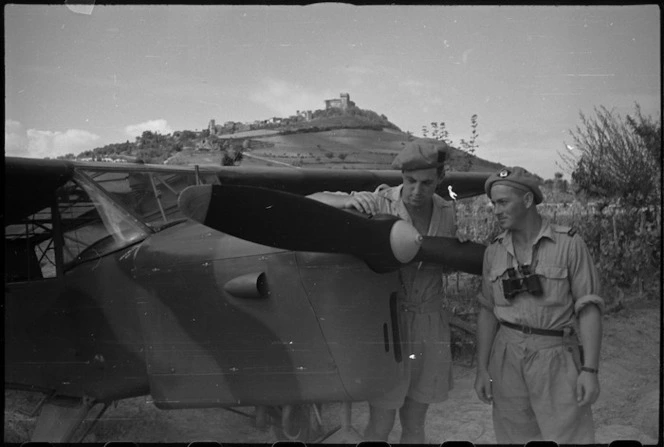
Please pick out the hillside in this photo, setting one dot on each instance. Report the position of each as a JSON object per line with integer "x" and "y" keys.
{"x": 363, "y": 140}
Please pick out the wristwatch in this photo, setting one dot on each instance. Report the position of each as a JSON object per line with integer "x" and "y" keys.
{"x": 590, "y": 370}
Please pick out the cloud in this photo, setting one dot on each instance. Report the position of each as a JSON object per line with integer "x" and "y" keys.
{"x": 285, "y": 98}
{"x": 159, "y": 126}
{"x": 16, "y": 140}
{"x": 34, "y": 143}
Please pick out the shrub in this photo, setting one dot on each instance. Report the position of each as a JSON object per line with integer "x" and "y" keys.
{"x": 617, "y": 158}
{"x": 625, "y": 245}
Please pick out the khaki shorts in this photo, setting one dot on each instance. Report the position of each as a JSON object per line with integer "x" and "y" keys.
{"x": 428, "y": 361}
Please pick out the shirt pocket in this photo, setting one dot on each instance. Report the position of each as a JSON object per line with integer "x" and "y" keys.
{"x": 496, "y": 276}
{"x": 555, "y": 285}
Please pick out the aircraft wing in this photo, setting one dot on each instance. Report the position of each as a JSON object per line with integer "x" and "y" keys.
{"x": 305, "y": 181}
{"x": 30, "y": 184}
{"x": 309, "y": 181}
{"x": 463, "y": 184}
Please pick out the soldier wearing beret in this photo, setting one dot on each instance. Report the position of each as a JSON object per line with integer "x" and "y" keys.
{"x": 424, "y": 322}
{"x": 539, "y": 297}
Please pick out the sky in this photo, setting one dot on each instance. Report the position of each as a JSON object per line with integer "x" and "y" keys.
{"x": 80, "y": 77}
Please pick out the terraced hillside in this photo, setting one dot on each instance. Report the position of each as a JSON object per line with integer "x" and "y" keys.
{"x": 339, "y": 148}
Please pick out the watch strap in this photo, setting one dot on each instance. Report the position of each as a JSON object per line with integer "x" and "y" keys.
{"x": 590, "y": 370}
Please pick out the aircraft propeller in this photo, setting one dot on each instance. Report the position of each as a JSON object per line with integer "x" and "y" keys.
{"x": 289, "y": 221}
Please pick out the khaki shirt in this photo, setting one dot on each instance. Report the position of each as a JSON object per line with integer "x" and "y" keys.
{"x": 422, "y": 281}
{"x": 423, "y": 320}
{"x": 566, "y": 271}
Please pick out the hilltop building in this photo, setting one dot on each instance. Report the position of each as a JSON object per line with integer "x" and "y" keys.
{"x": 227, "y": 127}
{"x": 212, "y": 127}
{"x": 307, "y": 115}
{"x": 342, "y": 103}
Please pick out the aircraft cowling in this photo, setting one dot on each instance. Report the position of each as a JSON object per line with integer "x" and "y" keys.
{"x": 293, "y": 327}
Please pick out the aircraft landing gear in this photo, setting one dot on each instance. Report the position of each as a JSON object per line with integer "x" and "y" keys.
{"x": 297, "y": 422}
{"x": 61, "y": 417}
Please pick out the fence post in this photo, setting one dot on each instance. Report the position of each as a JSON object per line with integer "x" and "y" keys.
{"x": 599, "y": 233}
{"x": 658, "y": 210}
{"x": 615, "y": 228}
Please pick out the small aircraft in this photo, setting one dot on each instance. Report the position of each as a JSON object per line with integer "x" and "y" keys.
{"x": 203, "y": 287}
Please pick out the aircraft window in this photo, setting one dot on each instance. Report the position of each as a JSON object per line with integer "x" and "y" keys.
{"x": 29, "y": 248}
{"x": 152, "y": 196}
{"x": 93, "y": 225}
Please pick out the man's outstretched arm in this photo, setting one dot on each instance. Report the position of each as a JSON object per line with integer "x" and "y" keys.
{"x": 364, "y": 201}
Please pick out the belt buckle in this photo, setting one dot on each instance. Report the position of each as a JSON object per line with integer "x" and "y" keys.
{"x": 527, "y": 330}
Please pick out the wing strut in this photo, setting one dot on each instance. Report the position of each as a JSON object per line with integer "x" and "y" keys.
{"x": 59, "y": 419}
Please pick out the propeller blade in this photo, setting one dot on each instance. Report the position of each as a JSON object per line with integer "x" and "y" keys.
{"x": 284, "y": 220}
{"x": 463, "y": 256}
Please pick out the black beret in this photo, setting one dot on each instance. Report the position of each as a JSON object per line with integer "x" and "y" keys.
{"x": 420, "y": 156}
{"x": 515, "y": 177}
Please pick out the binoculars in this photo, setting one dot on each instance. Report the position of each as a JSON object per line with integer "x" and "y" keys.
{"x": 526, "y": 282}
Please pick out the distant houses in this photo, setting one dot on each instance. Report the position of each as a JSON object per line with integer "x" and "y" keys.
{"x": 104, "y": 159}
{"x": 207, "y": 145}
{"x": 214, "y": 129}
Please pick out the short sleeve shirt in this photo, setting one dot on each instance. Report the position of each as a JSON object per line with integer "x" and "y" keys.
{"x": 566, "y": 272}
{"x": 421, "y": 281}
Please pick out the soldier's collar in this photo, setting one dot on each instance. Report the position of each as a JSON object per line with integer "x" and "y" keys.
{"x": 545, "y": 231}
{"x": 505, "y": 237}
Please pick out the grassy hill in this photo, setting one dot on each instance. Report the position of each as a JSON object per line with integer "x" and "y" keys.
{"x": 333, "y": 139}
{"x": 338, "y": 149}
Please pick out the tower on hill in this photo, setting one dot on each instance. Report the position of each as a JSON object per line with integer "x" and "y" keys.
{"x": 342, "y": 103}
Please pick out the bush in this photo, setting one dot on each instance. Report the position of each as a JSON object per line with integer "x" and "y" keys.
{"x": 625, "y": 245}
{"x": 617, "y": 159}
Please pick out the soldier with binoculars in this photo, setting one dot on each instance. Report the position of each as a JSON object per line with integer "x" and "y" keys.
{"x": 540, "y": 288}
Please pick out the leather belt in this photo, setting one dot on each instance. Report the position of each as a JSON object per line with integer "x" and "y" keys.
{"x": 532, "y": 330}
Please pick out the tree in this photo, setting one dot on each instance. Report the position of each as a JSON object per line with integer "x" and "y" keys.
{"x": 439, "y": 133}
{"x": 558, "y": 183}
{"x": 616, "y": 158}
{"x": 443, "y": 134}
{"x": 469, "y": 146}
{"x": 434, "y": 130}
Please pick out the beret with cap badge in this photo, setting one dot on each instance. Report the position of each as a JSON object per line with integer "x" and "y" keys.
{"x": 418, "y": 155}
{"x": 518, "y": 178}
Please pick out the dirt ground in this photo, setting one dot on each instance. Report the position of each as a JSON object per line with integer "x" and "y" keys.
{"x": 628, "y": 407}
